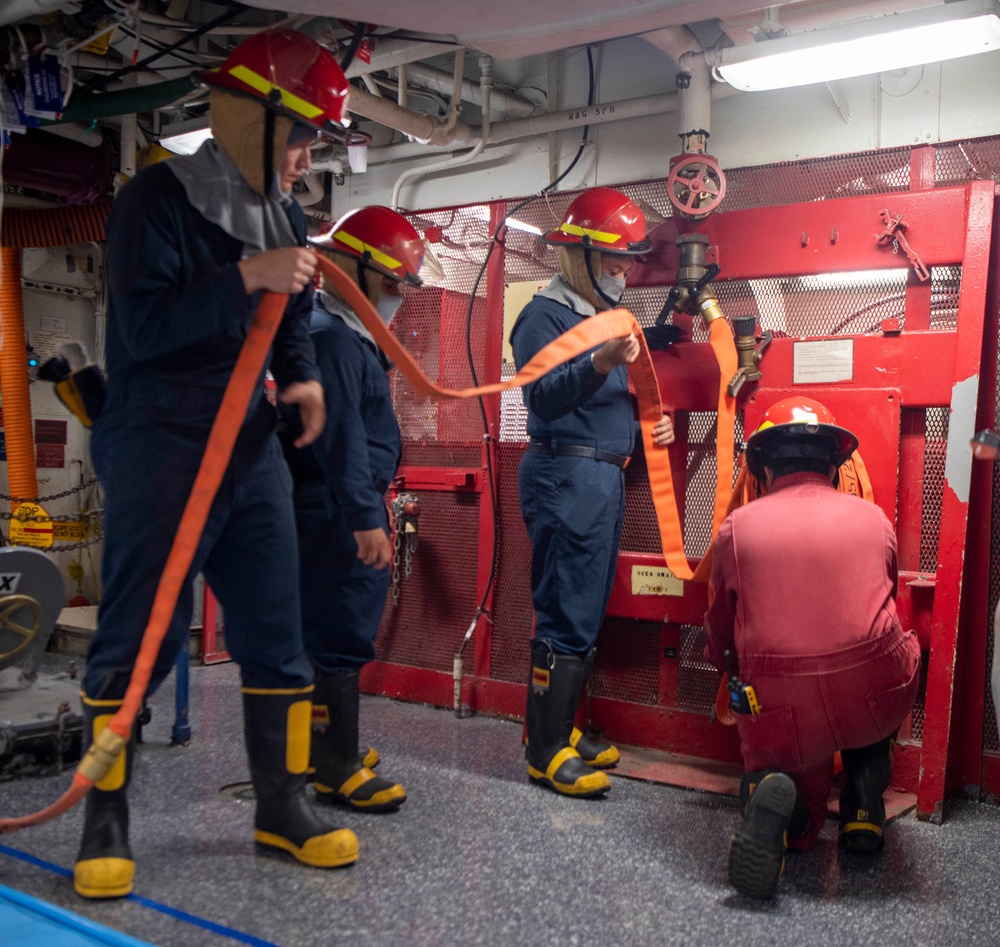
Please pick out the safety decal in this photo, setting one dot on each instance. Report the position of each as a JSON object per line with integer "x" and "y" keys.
{"x": 539, "y": 679}
{"x": 8, "y": 582}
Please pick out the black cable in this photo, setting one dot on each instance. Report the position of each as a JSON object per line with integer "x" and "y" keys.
{"x": 494, "y": 240}
{"x": 235, "y": 10}
{"x": 359, "y": 34}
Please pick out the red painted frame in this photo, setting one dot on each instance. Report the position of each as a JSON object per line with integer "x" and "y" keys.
{"x": 920, "y": 368}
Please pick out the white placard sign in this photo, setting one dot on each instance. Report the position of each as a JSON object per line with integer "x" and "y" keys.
{"x": 816, "y": 362}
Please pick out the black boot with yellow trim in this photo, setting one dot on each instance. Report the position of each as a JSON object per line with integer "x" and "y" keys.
{"x": 599, "y": 754}
{"x": 553, "y": 693}
{"x": 277, "y": 725}
{"x": 104, "y": 867}
{"x": 771, "y": 808}
{"x": 867, "y": 772}
{"x": 343, "y": 775}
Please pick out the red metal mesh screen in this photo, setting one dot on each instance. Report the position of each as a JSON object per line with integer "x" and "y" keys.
{"x": 627, "y": 662}
{"x": 425, "y": 627}
{"x": 433, "y": 326}
{"x": 513, "y": 617}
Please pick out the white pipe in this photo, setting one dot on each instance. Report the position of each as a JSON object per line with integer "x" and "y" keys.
{"x": 695, "y": 101}
{"x": 675, "y": 41}
{"x": 438, "y": 81}
{"x": 314, "y": 188}
{"x": 421, "y": 127}
{"x": 486, "y": 82}
{"x": 84, "y": 134}
{"x": 456, "y": 89}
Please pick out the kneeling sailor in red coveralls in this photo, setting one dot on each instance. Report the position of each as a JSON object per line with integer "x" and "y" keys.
{"x": 803, "y": 618}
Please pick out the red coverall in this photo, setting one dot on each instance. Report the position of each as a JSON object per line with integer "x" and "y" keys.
{"x": 804, "y": 596}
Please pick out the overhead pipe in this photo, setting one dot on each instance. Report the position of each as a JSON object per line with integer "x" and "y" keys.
{"x": 486, "y": 82}
{"x": 22, "y": 475}
{"x": 128, "y": 101}
{"x": 423, "y": 128}
{"x": 436, "y": 80}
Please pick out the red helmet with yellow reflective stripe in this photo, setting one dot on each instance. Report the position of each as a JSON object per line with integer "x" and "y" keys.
{"x": 798, "y": 428}
{"x": 381, "y": 239}
{"x": 291, "y": 74}
{"x": 603, "y": 219}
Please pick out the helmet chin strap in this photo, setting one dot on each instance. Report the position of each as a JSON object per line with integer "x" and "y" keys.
{"x": 268, "y": 151}
{"x": 587, "y": 247}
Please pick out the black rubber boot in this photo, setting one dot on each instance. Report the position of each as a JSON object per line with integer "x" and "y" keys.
{"x": 600, "y": 754}
{"x": 342, "y": 775}
{"x": 757, "y": 847}
{"x": 862, "y": 812}
{"x": 276, "y": 725}
{"x": 553, "y": 693}
{"x": 104, "y": 868}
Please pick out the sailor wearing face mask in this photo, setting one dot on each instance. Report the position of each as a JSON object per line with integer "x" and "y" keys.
{"x": 582, "y": 430}
{"x": 340, "y": 484}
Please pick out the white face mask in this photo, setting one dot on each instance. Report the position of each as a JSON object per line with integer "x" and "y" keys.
{"x": 388, "y": 306}
{"x": 611, "y": 286}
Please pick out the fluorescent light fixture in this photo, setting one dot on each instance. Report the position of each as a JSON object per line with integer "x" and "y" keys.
{"x": 881, "y": 44}
{"x": 185, "y": 138}
{"x": 482, "y": 212}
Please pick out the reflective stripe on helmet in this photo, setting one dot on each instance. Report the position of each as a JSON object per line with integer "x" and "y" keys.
{"x": 599, "y": 235}
{"x": 377, "y": 255}
{"x": 265, "y": 87}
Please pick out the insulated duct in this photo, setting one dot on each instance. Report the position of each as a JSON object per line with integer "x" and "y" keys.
{"x": 22, "y": 479}
{"x": 56, "y": 227}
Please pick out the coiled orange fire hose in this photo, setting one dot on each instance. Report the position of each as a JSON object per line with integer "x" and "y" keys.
{"x": 589, "y": 334}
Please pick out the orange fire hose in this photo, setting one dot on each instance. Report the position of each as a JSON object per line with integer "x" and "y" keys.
{"x": 581, "y": 338}
{"x": 219, "y": 448}
{"x": 589, "y": 334}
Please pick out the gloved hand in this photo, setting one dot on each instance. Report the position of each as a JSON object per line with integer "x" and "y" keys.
{"x": 660, "y": 338}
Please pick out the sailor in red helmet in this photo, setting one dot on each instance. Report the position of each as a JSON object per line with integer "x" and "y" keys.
{"x": 192, "y": 242}
{"x": 340, "y": 506}
{"x": 582, "y": 429}
{"x": 804, "y": 602}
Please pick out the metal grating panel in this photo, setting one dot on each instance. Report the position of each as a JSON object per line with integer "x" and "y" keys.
{"x": 640, "y": 532}
{"x": 964, "y": 161}
{"x": 425, "y": 627}
{"x": 513, "y": 615}
{"x": 628, "y": 661}
{"x": 698, "y": 680}
{"x": 934, "y": 456}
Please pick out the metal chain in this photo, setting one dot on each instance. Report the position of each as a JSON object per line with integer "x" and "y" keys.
{"x": 395, "y": 561}
{"x": 54, "y": 496}
{"x": 409, "y": 559}
{"x": 60, "y": 518}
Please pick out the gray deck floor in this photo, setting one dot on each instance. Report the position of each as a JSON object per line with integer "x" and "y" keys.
{"x": 479, "y": 856}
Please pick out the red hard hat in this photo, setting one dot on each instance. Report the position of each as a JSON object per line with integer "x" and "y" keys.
{"x": 603, "y": 219}
{"x": 291, "y": 74}
{"x": 381, "y": 239}
{"x": 798, "y": 427}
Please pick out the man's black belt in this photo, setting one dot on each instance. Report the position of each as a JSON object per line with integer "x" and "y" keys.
{"x": 578, "y": 450}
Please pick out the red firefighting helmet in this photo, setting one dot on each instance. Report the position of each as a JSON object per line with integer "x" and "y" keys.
{"x": 798, "y": 428}
{"x": 291, "y": 74}
{"x": 380, "y": 239}
{"x": 605, "y": 220}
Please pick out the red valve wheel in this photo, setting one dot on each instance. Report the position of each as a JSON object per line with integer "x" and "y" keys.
{"x": 696, "y": 186}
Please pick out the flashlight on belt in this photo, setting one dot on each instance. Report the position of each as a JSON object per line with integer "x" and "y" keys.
{"x": 742, "y": 697}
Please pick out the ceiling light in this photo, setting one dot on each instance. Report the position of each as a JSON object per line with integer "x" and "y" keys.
{"x": 896, "y": 41}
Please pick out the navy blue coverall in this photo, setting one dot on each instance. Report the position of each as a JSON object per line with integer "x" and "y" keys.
{"x": 340, "y": 483}
{"x": 573, "y": 507}
{"x": 177, "y": 317}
